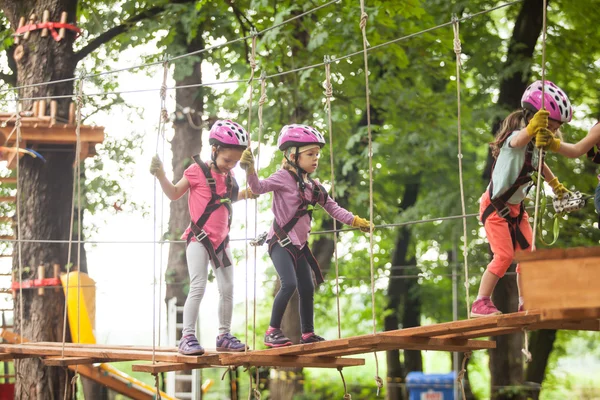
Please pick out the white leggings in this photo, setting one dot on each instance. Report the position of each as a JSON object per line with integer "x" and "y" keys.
{"x": 197, "y": 261}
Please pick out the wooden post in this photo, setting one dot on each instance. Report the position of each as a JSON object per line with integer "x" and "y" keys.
{"x": 21, "y": 23}
{"x": 41, "y": 275}
{"x": 63, "y": 20}
{"x": 53, "y": 109}
{"x": 14, "y": 279}
{"x": 56, "y": 273}
{"x": 45, "y": 18}
{"x": 31, "y": 22}
{"x": 34, "y": 108}
{"x": 72, "y": 113}
{"x": 41, "y": 108}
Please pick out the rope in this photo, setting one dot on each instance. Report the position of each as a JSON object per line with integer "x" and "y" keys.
{"x": 379, "y": 46}
{"x": 363, "y": 27}
{"x": 157, "y": 384}
{"x": 74, "y": 384}
{"x": 347, "y": 396}
{"x": 151, "y": 64}
{"x": 18, "y": 200}
{"x": 525, "y": 350}
{"x": 79, "y": 101}
{"x": 328, "y": 94}
{"x": 252, "y": 60}
{"x": 461, "y": 374}
{"x": 261, "y": 102}
{"x": 163, "y": 119}
{"x": 458, "y": 50}
{"x": 541, "y": 150}
{"x": 76, "y": 192}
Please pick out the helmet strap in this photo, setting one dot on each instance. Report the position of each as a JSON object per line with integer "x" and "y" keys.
{"x": 299, "y": 171}
{"x": 213, "y": 157}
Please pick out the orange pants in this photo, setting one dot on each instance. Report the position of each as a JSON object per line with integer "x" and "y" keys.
{"x": 498, "y": 235}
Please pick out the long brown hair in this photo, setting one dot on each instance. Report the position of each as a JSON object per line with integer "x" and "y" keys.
{"x": 514, "y": 121}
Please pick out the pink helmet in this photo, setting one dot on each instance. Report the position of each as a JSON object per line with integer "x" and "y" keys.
{"x": 555, "y": 100}
{"x": 299, "y": 135}
{"x": 228, "y": 134}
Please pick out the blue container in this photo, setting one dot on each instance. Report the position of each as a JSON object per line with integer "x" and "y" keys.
{"x": 423, "y": 386}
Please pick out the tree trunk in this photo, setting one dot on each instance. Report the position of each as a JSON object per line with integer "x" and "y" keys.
{"x": 402, "y": 292}
{"x": 45, "y": 196}
{"x": 186, "y": 142}
{"x": 541, "y": 344}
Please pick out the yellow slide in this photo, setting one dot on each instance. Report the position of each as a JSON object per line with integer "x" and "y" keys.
{"x": 82, "y": 331}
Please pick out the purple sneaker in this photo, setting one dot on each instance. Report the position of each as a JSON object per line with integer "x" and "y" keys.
{"x": 189, "y": 346}
{"x": 228, "y": 342}
{"x": 313, "y": 338}
{"x": 521, "y": 308}
{"x": 277, "y": 339}
{"x": 484, "y": 308}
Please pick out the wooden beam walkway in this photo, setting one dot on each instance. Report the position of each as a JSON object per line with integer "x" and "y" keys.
{"x": 450, "y": 336}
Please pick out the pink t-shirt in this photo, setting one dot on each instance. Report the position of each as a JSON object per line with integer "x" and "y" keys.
{"x": 217, "y": 225}
{"x": 286, "y": 200}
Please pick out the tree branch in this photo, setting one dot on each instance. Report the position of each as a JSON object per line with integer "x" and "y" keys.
{"x": 124, "y": 27}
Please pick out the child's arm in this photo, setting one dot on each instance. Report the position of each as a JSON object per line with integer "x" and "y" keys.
{"x": 539, "y": 120}
{"x": 257, "y": 186}
{"x": 173, "y": 192}
{"x": 546, "y": 140}
{"x": 558, "y": 188}
{"x": 345, "y": 216}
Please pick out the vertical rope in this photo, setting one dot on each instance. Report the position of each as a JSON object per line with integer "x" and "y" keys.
{"x": 328, "y": 94}
{"x": 347, "y": 396}
{"x": 461, "y": 374}
{"x": 79, "y": 244}
{"x": 541, "y": 150}
{"x": 525, "y": 350}
{"x": 163, "y": 118}
{"x": 261, "y": 102}
{"x": 252, "y": 60}
{"x": 18, "y": 200}
{"x": 363, "y": 27}
{"x": 458, "y": 50}
{"x": 76, "y": 192}
{"x": 157, "y": 384}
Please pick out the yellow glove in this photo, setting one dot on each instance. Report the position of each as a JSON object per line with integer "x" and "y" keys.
{"x": 546, "y": 140}
{"x": 156, "y": 167}
{"x": 558, "y": 188}
{"x": 247, "y": 162}
{"x": 362, "y": 224}
{"x": 539, "y": 120}
{"x": 246, "y": 194}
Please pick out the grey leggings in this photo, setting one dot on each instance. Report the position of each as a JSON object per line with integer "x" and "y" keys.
{"x": 197, "y": 261}
{"x": 292, "y": 278}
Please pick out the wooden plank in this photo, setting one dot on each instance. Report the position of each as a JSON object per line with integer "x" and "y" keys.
{"x": 304, "y": 349}
{"x": 104, "y": 346}
{"x": 557, "y": 254}
{"x": 109, "y": 354}
{"x": 589, "y": 325}
{"x": 447, "y": 328}
{"x": 7, "y": 199}
{"x": 57, "y": 134}
{"x": 112, "y": 383}
{"x": 422, "y": 343}
{"x": 9, "y": 357}
{"x": 64, "y": 362}
{"x": 571, "y": 314}
{"x": 8, "y": 180}
{"x": 288, "y": 361}
{"x": 166, "y": 367}
{"x": 490, "y": 332}
{"x": 561, "y": 283}
{"x": 519, "y": 319}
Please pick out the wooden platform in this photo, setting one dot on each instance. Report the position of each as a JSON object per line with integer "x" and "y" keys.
{"x": 40, "y": 130}
{"x": 450, "y": 336}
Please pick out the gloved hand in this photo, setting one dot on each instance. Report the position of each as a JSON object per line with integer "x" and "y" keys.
{"x": 539, "y": 120}
{"x": 246, "y": 194}
{"x": 247, "y": 162}
{"x": 156, "y": 167}
{"x": 546, "y": 140}
{"x": 362, "y": 224}
{"x": 558, "y": 188}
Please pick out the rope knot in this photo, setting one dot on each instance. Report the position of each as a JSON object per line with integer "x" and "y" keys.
{"x": 256, "y": 393}
{"x": 164, "y": 115}
{"x": 363, "y": 20}
{"x": 163, "y": 91}
{"x": 456, "y": 41}
{"x": 525, "y": 350}
{"x": 347, "y": 396}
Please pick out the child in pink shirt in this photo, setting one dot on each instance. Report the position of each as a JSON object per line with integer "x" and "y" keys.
{"x": 212, "y": 188}
{"x": 295, "y": 195}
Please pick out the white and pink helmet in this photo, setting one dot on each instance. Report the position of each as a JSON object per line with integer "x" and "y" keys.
{"x": 297, "y": 135}
{"x": 228, "y": 134}
{"x": 555, "y": 100}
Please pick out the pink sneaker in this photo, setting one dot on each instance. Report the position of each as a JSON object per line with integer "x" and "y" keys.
{"x": 483, "y": 308}
{"x": 521, "y": 309}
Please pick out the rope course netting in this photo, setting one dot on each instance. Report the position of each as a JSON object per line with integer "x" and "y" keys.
{"x": 453, "y": 336}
